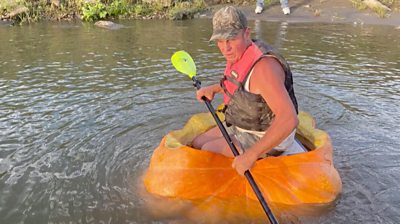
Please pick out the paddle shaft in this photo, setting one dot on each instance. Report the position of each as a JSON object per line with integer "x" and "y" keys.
{"x": 235, "y": 152}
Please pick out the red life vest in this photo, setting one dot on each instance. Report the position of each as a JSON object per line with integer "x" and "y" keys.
{"x": 240, "y": 69}
{"x": 245, "y": 109}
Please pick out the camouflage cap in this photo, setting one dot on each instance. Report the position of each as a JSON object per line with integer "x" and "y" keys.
{"x": 227, "y": 22}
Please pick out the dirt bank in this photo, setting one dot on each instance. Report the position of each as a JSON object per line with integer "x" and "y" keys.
{"x": 328, "y": 11}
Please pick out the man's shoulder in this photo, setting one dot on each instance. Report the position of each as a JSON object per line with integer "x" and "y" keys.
{"x": 268, "y": 67}
{"x": 269, "y": 61}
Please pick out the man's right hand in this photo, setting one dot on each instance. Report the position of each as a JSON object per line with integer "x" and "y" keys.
{"x": 208, "y": 92}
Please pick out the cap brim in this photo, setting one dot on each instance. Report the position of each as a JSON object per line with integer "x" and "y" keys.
{"x": 224, "y": 35}
{"x": 215, "y": 37}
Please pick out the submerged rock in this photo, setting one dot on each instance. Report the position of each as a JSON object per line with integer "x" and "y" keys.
{"x": 108, "y": 25}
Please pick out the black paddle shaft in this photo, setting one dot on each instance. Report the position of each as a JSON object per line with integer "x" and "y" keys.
{"x": 235, "y": 152}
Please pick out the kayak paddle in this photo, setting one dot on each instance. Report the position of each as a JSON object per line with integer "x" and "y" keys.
{"x": 184, "y": 63}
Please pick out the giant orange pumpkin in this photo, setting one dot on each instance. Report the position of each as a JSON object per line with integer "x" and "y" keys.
{"x": 206, "y": 179}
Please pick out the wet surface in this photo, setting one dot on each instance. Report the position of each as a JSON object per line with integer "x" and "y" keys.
{"x": 82, "y": 108}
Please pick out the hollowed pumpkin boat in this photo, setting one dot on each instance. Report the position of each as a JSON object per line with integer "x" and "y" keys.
{"x": 177, "y": 171}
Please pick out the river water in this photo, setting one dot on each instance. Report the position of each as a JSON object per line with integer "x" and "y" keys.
{"x": 82, "y": 108}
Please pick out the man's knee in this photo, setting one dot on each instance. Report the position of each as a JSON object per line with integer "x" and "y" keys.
{"x": 198, "y": 142}
{"x": 206, "y": 137}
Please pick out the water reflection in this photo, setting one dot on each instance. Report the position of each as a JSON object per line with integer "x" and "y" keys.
{"x": 82, "y": 109}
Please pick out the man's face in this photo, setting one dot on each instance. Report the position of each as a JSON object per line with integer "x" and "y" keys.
{"x": 233, "y": 49}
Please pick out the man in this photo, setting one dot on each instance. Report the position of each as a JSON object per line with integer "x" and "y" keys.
{"x": 261, "y": 109}
{"x": 284, "y": 5}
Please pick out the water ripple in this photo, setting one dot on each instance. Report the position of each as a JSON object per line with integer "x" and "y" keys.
{"x": 82, "y": 109}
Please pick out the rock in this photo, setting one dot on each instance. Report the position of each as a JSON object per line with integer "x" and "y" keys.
{"x": 108, "y": 25}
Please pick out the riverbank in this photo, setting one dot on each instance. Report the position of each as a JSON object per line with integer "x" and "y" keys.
{"x": 317, "y": 11}
{"x": 30, "y": 11}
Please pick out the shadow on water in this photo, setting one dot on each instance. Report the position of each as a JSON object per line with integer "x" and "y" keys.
{"x": 82, "y": 108}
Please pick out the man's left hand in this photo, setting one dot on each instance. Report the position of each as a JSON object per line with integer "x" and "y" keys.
{"x": 244, "y": 162}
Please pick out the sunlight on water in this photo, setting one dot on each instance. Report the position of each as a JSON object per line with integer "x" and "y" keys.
{"x": 82, "y": 109}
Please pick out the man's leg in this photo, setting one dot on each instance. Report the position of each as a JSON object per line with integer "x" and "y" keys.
{"x": 285, "y": 7}
{"x": 220, "y": 146}
{"x": 259, "y": 6}
{"x": 210, "y": 135}
{"x": 213, "y": 141}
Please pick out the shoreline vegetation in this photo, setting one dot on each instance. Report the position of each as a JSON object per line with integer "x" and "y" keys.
{"x": 29, "y": 11}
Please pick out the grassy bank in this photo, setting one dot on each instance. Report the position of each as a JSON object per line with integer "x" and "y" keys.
{"x": 381, "y": 7}
{"x": 26, "y": 11}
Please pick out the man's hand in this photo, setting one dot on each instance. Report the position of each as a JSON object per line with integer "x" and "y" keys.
{"x": 244, "y": 161}
{"x": 208, "y": 92}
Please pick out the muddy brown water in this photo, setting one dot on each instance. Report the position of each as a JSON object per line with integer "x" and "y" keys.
{"x": 82, "y": 108}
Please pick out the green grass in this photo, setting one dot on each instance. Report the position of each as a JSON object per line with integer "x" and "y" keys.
{"x": 392, "y": 4}
{"x": 98, "y": 10}
{"x": 184, "y": 10}
{"x": 137, "y": 9}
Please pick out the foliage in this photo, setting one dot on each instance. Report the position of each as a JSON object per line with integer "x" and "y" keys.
{"x": 380, "y": 11}
{"x": 184, "y": 10}
{"x": 36, "y": 9}
{"x": 94, "y": 11}
{"x": 359, "y": 4}
{"x": 118, "y": 8}
{"x": 388, "y": 2}
{"x": 142, "y": 9}
{"x": 32, "y": 13}
{"x": 6, "y": 5}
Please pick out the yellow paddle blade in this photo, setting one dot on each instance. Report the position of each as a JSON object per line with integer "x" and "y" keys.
{"x": 182, "y": 62}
